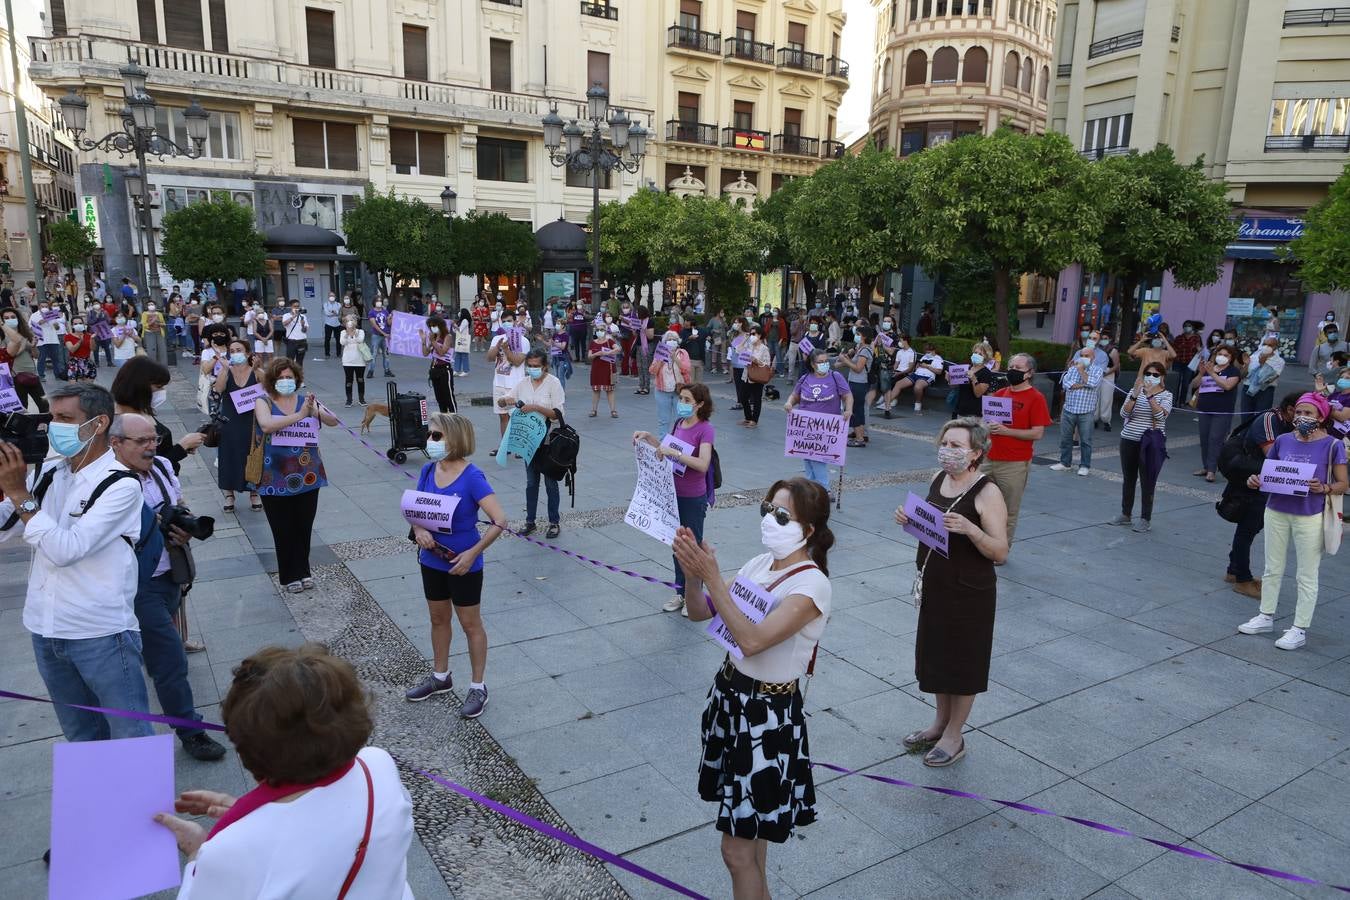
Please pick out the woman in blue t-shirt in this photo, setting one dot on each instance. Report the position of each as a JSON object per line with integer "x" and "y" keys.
{"x": 1298, "y": 519}
{"x": 823, "y": 391}
{"x": 452, "y": 561}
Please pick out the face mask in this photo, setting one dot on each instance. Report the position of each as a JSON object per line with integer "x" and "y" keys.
{"x": 534, "y": 371}
{"x": 217, "y": 319}
{"x": 507, "y": 324}
{"x": 346, "y": 303}
{"x": 952, "y": 459}
{"x": 1152, "y": 379}
{"x": 1305, "y": 425}
{"x": 1229, "y": 342}
{"x": 1016, "y": 376}
{"x": 77, "y": 328}
{"x": 158, "y": 397}
{"x": 1221, "y": 361}
{"x": 43, "y": 309}
{"x": 11, "y": 323}
{"x": 1082, "y": 361}
{"x": 1343, "y": 383}
{"x": 285, "y": 386}
{"x": 379, "y": 305}
{"x": 599, "y": 332}
{"x": 1083, "y": 335}
{"x": 1214, "y": 339}
{"x": 121, "y": 320}
{"x": 781, "y": 540}
{"x": 813, "y": 330}
{"x": 65, "y": 437}
{"x": 1156, "y": 342}
{"x": 332, "y": 299}
{"x": 1188, "y": 329}
{"x": 1332, "y": 336}
{"x": 150, "y": 308}
{"x": 238, "y": 359}
{"x": 436, "y": 449}
{"x": 976, "y": 359}
{"x": 673, "y": 344}
{"x": 684, "y": 410}
{"x": 1104, "y": 342}
{"x": 886, "y": 326}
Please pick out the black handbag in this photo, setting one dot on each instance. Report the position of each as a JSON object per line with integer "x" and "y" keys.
{"x": 1231, "y": 507}
{"x": 182, "y": 567}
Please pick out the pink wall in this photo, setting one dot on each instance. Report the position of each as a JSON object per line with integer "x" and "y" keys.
{"x": 1208, "y": 305}
{"x": 1065, "y": 325}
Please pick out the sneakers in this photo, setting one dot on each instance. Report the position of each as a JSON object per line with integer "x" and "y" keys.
{"x": 684, "y": 610}
{"x": 1143, "y": 526}
{"x": 1249, "y": 589}
{"x": 554, "y": 529}
{"x": 1082, "y": 471}
{"x": 1258, "y": 624}
{"x": 1121, "y": 519}
{"x": 348, "y": 404}
{"x": 427, "y": 687}
{"x": 918, "y": 407}
{"x": 530, "y": 528}
{"x": 202, "y": 748}
{"x": 474, "y": 703}
{"x": 674, "y": 603}
{"x": 1292, "y": 639}
{"x": 1059, "y": 467}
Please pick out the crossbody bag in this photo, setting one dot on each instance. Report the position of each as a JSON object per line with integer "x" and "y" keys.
{"x": 916, "y": 591}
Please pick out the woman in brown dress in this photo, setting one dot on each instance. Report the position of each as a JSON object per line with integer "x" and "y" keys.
{"x": 955, "y": 594}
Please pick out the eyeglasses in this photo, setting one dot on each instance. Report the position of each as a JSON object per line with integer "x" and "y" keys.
{"x": 780, "y": 515}
{"x": 435, "y": 435}
{"x": 142, "y": 442}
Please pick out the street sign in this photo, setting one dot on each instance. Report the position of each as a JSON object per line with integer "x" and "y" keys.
{"x": 89, "y": 216}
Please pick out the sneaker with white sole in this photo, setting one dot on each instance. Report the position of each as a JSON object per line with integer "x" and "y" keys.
{"x": 673, "y": 604}
{"x": 684, "y": 610}
{"x": 1059, "y": 467}
{"x": 427, "y": 687}
{"x": 1121, "y": 519}
{"x": 1258, "y": 624}
{"x": 474, "y": 703}
{"x": 1082, "y": 471}
{"x": 1143, "y": 526}
{"x": 1292, "y": 639}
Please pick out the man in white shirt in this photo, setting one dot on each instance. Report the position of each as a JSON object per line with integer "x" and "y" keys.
{"x": 296, "y": 326}
{"x": 49, "y": 329}
{"x": 332, "y": 324}
{"x": 82, "y": 582}
{"x": 537, "y": 392}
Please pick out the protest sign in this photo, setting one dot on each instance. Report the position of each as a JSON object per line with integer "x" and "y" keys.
{"x": 816, "y": 435}
{"x": 524, "y": 433}
{"x": 886, "y": 340}
{"x": 685, "y": 447}
{"x": 754, "y": 603}
{"x": 958, "y": 375}
{"x": 661, "y": 353}
{"x": 632, "y": 323}
{"x": 653, "y": 509}
{"x": 304, "y": 433}
{"x": 996, "y": 409}
{"x": 806, "y": 347}
{"x": 405, "y": 334}
{"x": 244, "y": 399}
{"x": 431, "y": 511}
{"x": 1280, "y": 476}
{"x": 106, "y": 844}
{"x": 9, "y": 396}
{"x": 925, "y": 523}
{"x": 1209, "y": 386}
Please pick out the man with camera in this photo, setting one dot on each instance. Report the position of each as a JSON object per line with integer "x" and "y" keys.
{"x": 158, "y": 597}
{"x": 296, "y": 326}
{"x": 82, "y": 517}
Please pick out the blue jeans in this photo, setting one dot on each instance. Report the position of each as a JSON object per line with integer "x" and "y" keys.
{"x": 665, "y": 412}
{"x": 379, "y": 349}
{"x": 1083, "y": 421}
{"x": 532, "y": 476}
{"x": 50, "y": 353}
{"x": 818, "y": 472}
{"x": 461, "y": 363}
{"x": 693, "y": 510}
{"x": 102, "y": 671}
{"x": 157, "y": 601}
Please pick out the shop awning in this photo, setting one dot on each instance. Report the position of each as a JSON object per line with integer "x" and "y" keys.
{"x": 1251, "y": 251}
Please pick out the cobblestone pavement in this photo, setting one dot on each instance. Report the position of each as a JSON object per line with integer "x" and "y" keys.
{"x": 1120, "y": 690}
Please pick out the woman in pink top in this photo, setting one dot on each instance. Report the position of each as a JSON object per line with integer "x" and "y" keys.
{"x": 669, "y": 370}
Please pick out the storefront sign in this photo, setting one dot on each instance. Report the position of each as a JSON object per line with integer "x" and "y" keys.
{"x": 1263, "y": 229}
{"x": 89, "y": 217}
{"x": 1241, "y": 306}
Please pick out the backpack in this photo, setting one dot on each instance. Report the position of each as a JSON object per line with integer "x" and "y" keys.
{"x": 1238, "y": 457}
{"x": 556, "y": 457}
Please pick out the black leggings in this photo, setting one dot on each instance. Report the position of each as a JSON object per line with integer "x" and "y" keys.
{"x": 359, "y": 373}
{"x": 738, "y": 378}
{"x": 291, "y": 518}
{"x": 1130, "y": 469}
{"x": 754, "y": 399}
{"x": 439, "y": 376}
{"x": 36, "y": 392}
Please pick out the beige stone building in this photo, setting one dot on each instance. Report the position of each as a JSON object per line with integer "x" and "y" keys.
{"x": 946, "y": 68}
{"x": 1260, "y": 89}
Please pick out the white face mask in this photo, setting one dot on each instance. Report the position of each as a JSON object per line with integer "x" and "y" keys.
{"x": 77, "y": 327}
{"x": 781, "y": 540}
{"x": 217, "y": 318}
{"x": 158, "y": 397}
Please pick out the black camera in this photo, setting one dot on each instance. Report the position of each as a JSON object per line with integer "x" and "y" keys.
{"x": 28, "y": 432}
{"x": 179, "y": 516}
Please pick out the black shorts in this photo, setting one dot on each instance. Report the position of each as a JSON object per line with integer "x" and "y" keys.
{"x": 461, "y": 590}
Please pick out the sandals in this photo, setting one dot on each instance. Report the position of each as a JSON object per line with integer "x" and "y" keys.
{"x": 493, "y": 453}
{"x": 1209, "y": 476}
{"x": 940, "y": 759}
{"x": 307, "y": 583}
{"x": 853, "y": 442}
{"x": 915, "y": 739}
{"x": 228, "y": 506}
{"x": 295, "y": 587}
{"x": 255, "y": 504}
{"x": 613, "y": 415}
{"x": 593, "y": 414}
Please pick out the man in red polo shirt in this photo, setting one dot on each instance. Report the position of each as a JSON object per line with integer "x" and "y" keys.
{"x": 1011, "y": 446}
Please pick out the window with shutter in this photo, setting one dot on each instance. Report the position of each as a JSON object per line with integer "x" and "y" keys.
{"x": 745, "y": 25}
{"x": 403, "y": 150}
{"x": 502, "y": 160}
{"x": 792, "y": 121}
{"x": 688, "y": 107}
{"x": 597, "y": 68}
{"x": 147, "y": 21}
{"x": 431, "y": 153}
{"x": 220, "y": 32}
{"x": 797, "y": 35}
{"x": 308, "y": 134}
{"x": 320, "y": 38}
{"x": 341, "y": 145}
{"x": 691, "y": 14}
{"x": 743, "y": 115}
{"x": 58, "y": 17}
{"x": 499, "y": 64}
{"x": 415, "y": 52}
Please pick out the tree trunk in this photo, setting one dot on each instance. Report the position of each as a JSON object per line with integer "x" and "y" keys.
{"x": 1129, "y": 311}
{"x": 1002, "y": 279}
{"x": 809, "y": 285}
{"x": 866, "y": 284}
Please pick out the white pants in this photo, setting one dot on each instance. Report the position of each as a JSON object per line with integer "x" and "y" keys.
{"x": 1305, "y": 533}
{"x": 1106, "y": 395}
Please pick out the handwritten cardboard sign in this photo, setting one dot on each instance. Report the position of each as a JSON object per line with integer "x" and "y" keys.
{"x": 1280, "y": 476}
{"x": 958, "y": 375}
{"x": 661, "y": 353}
{"x": 524, "y": 433}
{"x": 886, "y": 340}
{"x": 820, "y": 436}
{"x": 806, "y": 347}
{"x": 685, "y": 447}
{"x": 245, "y": 399}
{"x": 754, "y": 603}
{"x": 431, "y": 511}
{"x": 996, "y": 409}
{"x": 304, "y": 433}
{"x": 405, "y": 334}
{"x": 653, "y": 509}
{"x": 9, "y": 396}
{"x": 925, "y": 523}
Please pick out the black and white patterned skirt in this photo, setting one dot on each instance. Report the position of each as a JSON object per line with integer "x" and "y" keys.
{"x": 756, "y": 762}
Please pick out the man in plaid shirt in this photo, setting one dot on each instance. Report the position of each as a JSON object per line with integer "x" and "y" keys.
{"x": 1080, "y": 408}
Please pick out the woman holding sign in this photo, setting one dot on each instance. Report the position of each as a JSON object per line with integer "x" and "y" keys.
{"x": 541, "y": 393}
{"x": 756, "y": 758}
{"x": 236, "y": 427}
{"x": 1298, "y": 518}
{"x": 603, "y": 355}
{"x": 821, "y": 391}
{"x": 451, "y": 557}
{"x": 292, "y": 470}
{"x": 670, "y": 368}
{"x": 956, "y": 592}
{"x": 1213, "y": 394}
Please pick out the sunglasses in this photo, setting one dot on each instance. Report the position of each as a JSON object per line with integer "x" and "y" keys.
{"x": 435, "y": 435}
{"x": 780, "y": 515}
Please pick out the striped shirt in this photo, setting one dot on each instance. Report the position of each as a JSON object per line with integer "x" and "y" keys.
{"x": 1142, "y": 417}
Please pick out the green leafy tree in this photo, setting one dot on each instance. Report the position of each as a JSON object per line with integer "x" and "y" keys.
{"x": 721, "y": 241}
{"x": 1159, "y": 215}
{"x": 399, "y": 239}
{"x": 494, "y": 245}
{"x": 1022, "y": 202}
{"x": 216, "y": 241}
{"x": 772, "y": 211}
{"x": 627, "y": 230}
{"x": 71, "y": 242}
{"x": 842, "y": 221}
{"x": 1323, "y": 252}
{"x": 967, "y": 285}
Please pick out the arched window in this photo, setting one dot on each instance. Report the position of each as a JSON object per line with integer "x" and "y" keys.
{"x": 975, "y": 67}
{"x": 916, "y": 68}
{"x": 1045, "y": 82}
{"x": 946, "y": 62}
{"x": 1028, "y": 75}
{"x": 1010, "y": 65}
{"x": 886, "y": 76}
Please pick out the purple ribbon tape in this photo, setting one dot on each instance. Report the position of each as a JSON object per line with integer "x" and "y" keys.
{"x": 171, "y": 721}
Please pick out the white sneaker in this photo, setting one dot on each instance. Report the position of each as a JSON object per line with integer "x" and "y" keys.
{"x": 677, "y": 602}
{"x": 1259, "y": 624}
{"x": 1121, "y": 519}
{"x": 684, "y": 610}
{"x": 1059, "y": 467}
{"x": 1292, "y": 639}
{"x": 1082, "y": 471}
{"x": 918, "y": 407}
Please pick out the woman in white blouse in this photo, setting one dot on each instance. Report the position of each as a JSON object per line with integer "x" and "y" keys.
{"x": 299, "y": 719}
{"x": 756, "y": 759}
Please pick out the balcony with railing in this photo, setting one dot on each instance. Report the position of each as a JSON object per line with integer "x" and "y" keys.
{"x": 1324, "y": 17}
{"x": 745, "y": 139}
{"x": 792, "y": 58}
{"x": 1064, "y": 70}
{"x": 1101, "y": 152}
{"x": 516, "y": 3}
{"x": 836, "y": 68}
{"x": 796, "y": 145}
{"x": 831, "y": 149}
{"x": 1307, "y": 143}
{"x": 600, "y": 11}
{"x": 692, "y": 39}
{"x": 1115, "y": 44}
{"x": 748, "y": 50}
{"x": 691, "y": 132}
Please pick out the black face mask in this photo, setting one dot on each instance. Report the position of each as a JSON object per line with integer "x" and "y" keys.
{"x": 1016, "y": 376}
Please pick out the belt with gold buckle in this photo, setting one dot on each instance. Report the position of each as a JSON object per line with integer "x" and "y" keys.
{"x": 747, "y": 685}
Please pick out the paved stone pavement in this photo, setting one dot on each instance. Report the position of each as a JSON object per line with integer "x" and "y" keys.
{"x": 1121, "y": 691}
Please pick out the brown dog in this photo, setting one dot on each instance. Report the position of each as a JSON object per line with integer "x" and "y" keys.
{"x": 373, "y": 410}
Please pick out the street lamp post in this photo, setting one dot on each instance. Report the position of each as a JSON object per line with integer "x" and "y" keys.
{"x": 137, "y": 138}
{"x": 569, "y": 145}
{"x": 449, "y": 206}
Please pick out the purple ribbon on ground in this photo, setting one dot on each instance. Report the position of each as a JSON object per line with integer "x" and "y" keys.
{"x": 171, "y": 721}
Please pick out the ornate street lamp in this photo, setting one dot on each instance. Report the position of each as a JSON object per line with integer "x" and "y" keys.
{"x": 448, "y": 201}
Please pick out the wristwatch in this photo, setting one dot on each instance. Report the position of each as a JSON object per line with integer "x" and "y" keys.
{"x": 28, "y": 507}
{"x": 520, "y": 404}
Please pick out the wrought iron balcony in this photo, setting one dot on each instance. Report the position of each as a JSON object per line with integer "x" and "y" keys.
{"x": 1099, "y": 152}
{"x": 792, "y": 58}
{"x": 691, "y": 132}
{"x": 1114, "y": 44}
{"x": 836, "y": 68}
{"x": 745, "y": 139}
{"x": 510, "y": 2}
{"x": 1064, "y": 70}
{"x": 796, "y": 145}
{"x": 831, "y": 149}
{"x": 751, "y": 51}
{"x": 1327, "y": 15}
{"x": 693, "y": 39}
{"x": 600, "y": 11}
{"x": 1333, "y": 143}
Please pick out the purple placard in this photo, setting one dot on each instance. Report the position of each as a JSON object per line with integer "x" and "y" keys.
{"x": 806, "y": 346}
{"x": 245, "y": 399}
{"x": 430, "y": 511}
{"x": 958, "y": 375}
{"x": 996, "y": 409}
{"x": 1209, "y": 386}
{"x": 9, "y": 396}
{"x": 304, "y": 433}
{"x": 886, "y": 340}
{"x": 1341, "y": 428}
{"x": 661, "y": 353}
{"x": 754, "y": 603}
{"x": 1280, "y": 476}
{"x": 630, "y": 322}
{"x": 925, "y": 523}
{"x": 685, "y": 447}
{"x": 405, "y": 334}
{"x": 822, "y": 437}
{"x": 105, "y": 842}
{"x": 744, "y": 360}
